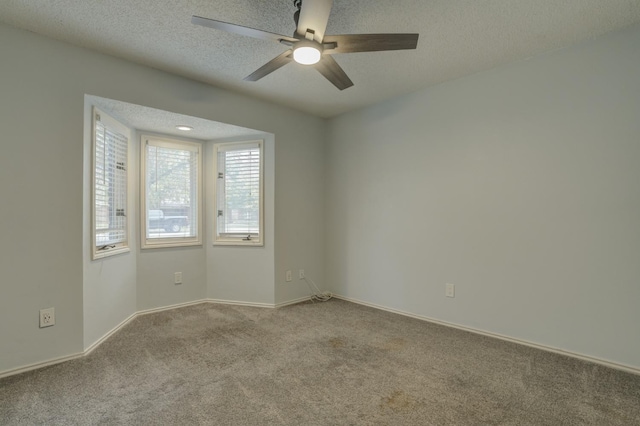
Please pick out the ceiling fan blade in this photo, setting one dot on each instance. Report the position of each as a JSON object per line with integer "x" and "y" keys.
{"x": 314, "y": 16}
{"x": 239, "y": 29}
{"x": 350, "y": 43}
{"x": 329, "y": 68}
{"x": 277, "y": 62}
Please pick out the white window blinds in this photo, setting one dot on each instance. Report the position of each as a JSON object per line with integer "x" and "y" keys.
{"x": 171, "y": 191}
{"x": 239, "y": 192}
{"x": 110, "y": 187}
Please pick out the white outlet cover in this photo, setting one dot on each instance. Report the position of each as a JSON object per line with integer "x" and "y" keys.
{"x": 288, "y": 276}
{"x": 47, "y": 317}
{"x": 301, "y": 274}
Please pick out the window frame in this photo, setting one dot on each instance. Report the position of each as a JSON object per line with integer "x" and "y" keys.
{"x": 238, "y": 241}
{"x": 152, "y": 243}
{"x": 116, "y": 127}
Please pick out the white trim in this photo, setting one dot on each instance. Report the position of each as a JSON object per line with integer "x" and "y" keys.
{"x": 234, "y": 146}
{"x": 239, "y": 303}
{"x": 98, "y": 115}
{"x": 177, "y": 144}
{"x": 603, "y": 362}
{"x": 98, "y": 342}
{"x": 133, "y": 316}
{"x": 24, "y": 369}
{"x": 222, "y": 240}
{"x": 292, "y": 302}
{"x": 38, "y": 365}
{"x": 170, "y": 143}
{"x": 110, "y": 252}
{"x": 170, "y": 307}
{"x": 258, "y": 304}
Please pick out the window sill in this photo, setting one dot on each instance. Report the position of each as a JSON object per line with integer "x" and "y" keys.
{"x": 236, "y": 242}
{"x": 111, "y": 252}
{"x": 163, "y": 243}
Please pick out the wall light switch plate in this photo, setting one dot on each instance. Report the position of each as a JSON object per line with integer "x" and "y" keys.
{"x": 450, "y": 290}
{"x": 177, "y": 278}
{"x": 289, "y": 276}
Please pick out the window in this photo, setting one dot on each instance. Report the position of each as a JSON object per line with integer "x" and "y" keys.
{"x": 238, "y": 170}
{"x": 110, "y": 180}
{"x": 171, "y": 188}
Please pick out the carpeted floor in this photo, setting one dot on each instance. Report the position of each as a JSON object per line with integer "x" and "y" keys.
{"x": 333, "y": 363}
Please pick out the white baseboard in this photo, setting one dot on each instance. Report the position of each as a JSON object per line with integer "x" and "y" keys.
{"x": 259, "y": 305}
{"x": 604, "y": 362}
{"x": 170, "y": 307}
{"x": 131, "y": 317}
{"x": 98, "y": 342}
{"x": 292, "y": 302}
{"x": 38, "y": 365}
{"x": 104, "y": 338}
{"x": 240, "y": 303}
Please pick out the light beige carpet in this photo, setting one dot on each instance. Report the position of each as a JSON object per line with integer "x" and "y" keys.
{"x": 333, "y": 363}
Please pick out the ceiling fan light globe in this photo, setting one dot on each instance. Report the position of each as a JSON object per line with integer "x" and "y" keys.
{"x": 306, "y": 55}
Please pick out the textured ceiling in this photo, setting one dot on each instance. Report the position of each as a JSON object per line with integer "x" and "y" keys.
{"x": 457, "y": 38}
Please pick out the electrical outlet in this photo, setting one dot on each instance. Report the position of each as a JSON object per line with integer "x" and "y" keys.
{"x": 450, "y": 290}
{"x": 47, "y": 317}
{"x": 289, "y": 278}
{"x": 301, "y": 274}
{"x": 177, "y": 278}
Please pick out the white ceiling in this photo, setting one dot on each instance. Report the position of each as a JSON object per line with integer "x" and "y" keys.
{"x": 457, "y": 38}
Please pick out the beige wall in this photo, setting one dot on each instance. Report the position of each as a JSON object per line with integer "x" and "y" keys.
{"x": 519, "y": 185}
{"x": 42, "y": 87}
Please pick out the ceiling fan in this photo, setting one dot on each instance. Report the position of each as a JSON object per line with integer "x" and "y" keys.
{"x": 310, "y": 46}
